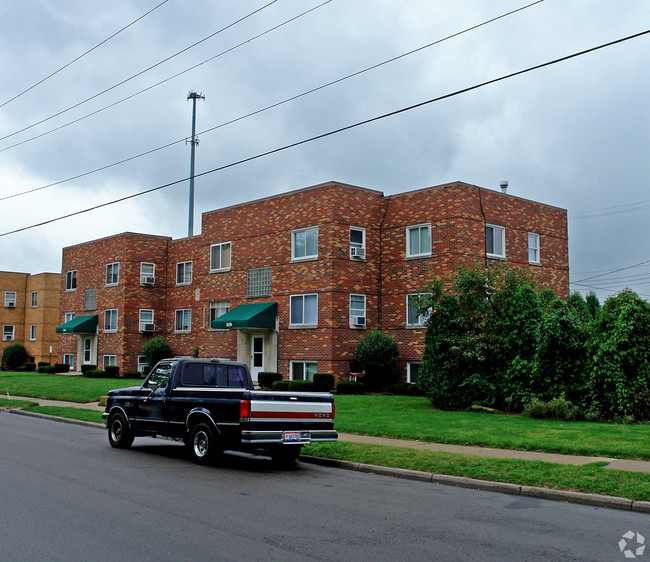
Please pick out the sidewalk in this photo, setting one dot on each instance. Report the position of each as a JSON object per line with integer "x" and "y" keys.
{"x": 576, "y": 460}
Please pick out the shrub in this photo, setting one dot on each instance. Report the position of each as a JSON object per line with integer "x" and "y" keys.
{"x": 324, "y": 382}
{"x": 96, "y": 374}
{"x": 377, "y": 354}
{"x": 14, "y": 355}
{"x": 266, "y": 378}
{"x": 29, "y": 367}
{"x": 401, "y": 388}
{"x": 132, "y": 374}
{"x": 43, "y": 364}
{"x": 350, "y": 387}
{"x": 562, "y": 409}
{"x": 47, "y": 369}
{"x": 61, "y": 367}
{"x": 112, "y": 371}
{"x": 280, "y": 385}
{"x": 536, "y": 409}
{"x": 155, "y": 349}
{"x": 302, "y": 386}
{"x": 85, "y": 369}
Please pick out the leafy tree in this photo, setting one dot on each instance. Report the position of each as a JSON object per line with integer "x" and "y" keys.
{"x": 155, "y": 349}
{"x": 14, "y": 355}
{"x": 620, "y": 373}
{"x": 377, "y": 354}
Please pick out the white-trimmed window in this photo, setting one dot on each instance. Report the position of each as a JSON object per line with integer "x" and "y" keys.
{"x": 414, "y": 302}
{"x": 358, "y": 310}
{"x": 143, "y": 365}
{"x": 304, "y": 243}
{"x": 304, "y": 310}
{"x": 533, "y": 248}
{"x": 109, "y": 360}
{"x": 8, "y": 332}
{"x": 146, "y": 320}
{"x": 71, "y": 280}
{"x": 110, "y": 320}
{"x": 68, "y": 316}
{"x": 220, "y": 257}
{"x": 68, "y": 359}
{"x": 32, "y": 332}
{"x": 90, "y": 299}
{"x": 10, "y": 299}
{"x": 418, "y": 241}
{"x": 357, "y": 243}
{"x": 112, "y": 273}
{"x": 303, "y": 370}
{"x": 495, "y": 241}
{"x": 184, "y": 273}
{"x": 183, "y": 320}
{"x": 147, "y": 273}
{"x": 34, "y": 299}
{"x": 217, "y": 309}
{"x": 412, "y": 370}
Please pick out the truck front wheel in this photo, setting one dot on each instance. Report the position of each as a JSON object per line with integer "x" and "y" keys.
{"x": 203, "y": 445}
{"x": 119, "y": 434}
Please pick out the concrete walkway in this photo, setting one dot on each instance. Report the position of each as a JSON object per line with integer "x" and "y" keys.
{"x": 576, "y": 460}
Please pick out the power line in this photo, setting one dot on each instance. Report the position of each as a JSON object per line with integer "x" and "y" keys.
{"x": 83, "y": 54}
{"x": 167, "y": 80}
{"x": 613, "y": 270}
{"x": 140, "y": 73}
{"x": 340, "y": 130}
{"x": 256, "y": 112}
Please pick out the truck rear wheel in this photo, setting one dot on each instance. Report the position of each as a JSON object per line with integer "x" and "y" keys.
{"x": 203, "y": 446}
{"x": 119, "y": 434}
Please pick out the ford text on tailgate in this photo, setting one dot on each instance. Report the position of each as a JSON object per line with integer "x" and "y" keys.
{"x": 212, "y": 406}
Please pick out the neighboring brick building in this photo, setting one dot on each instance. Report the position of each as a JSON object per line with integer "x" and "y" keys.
{"x": 315, "y": 268}
{"x": 30, "y": 313}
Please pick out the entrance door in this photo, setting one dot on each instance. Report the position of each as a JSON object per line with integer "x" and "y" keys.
{"x": 257, "y": 355}
{"x": 87, "y": 351}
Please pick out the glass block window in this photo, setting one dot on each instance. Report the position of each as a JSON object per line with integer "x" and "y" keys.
{"x": 258, "y": 282}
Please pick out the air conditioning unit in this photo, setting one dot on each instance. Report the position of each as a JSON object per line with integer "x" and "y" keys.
{"x": 357, "y": 253}
{"x": 7, "y": 338}
{"x": 147, "y": 327}
{"x": 148, "y": 280}
{"x": 358, "y": 320}
{"x": 11, "y": 304}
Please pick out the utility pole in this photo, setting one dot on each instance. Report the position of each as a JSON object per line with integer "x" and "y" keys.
{"x": 194, "y": 142}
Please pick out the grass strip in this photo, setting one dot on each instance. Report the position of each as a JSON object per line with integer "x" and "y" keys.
{"x": 4, "y": 403}
{"x": 412, "y": 417}
{"x": 68, "y": 412}
{"x": 591, "y": 478}
{"x": 62, "y": 387}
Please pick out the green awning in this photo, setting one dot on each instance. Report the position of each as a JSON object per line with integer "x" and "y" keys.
{"x": 257, "y": 315}
{"x": 79, "y": 325}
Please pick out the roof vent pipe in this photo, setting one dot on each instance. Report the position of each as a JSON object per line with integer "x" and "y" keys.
{"x": 504, "y": 186}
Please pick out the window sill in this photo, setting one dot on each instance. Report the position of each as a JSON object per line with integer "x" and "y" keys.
{"x": 223, "y": 270}
{"x": 111, "y": 284}
{"x": 110, "y": 331}
{"x": 306, "y": 258}
{"x": 182, "y": 331}
{"x": 418, "y": 256}
{"x": 537, "y": 263}
{"x": 355, "y": 327}
{"x": 416, "y": 326}
{"x": 70, "y": 290}
{"x": 302, "y": 326}
{"x": 495, "y": 257}
{"x": 183, "y": 284}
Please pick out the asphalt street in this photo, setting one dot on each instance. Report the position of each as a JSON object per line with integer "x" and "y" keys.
{"x": 67, "y": 495}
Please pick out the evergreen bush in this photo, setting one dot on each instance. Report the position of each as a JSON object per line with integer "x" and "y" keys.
{"x": 280, "y": 385}
{"x": 350, "y": 387}
{"x": 85, "y": 369}
{"x": 266, "y": 378}
{"x": 323, "y": 382}
{"x": 156, "y": 349}
{"x": 13, "y": 356}
{"x": 61, "y": 367}
{"x": 112, "y": 371}
{"x": 302, "y": 386}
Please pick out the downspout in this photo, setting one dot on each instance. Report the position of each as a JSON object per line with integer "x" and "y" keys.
{"x": 380, "y": 314}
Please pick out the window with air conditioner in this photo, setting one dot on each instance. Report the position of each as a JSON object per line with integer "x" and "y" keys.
{"x": 8, "y": 332}
{"x": 146, "y": 320}
{"x": 10, "y": 299}
{"x": 357, "y": 243}
{"x": 147, "y": 273}
{"x": 143, "y": 365}
{"x": 220, "y": 257}
{"x": 358, "y": 311}
{"x": 495, "y": 241}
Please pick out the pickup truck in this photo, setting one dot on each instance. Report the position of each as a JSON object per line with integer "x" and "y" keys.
{"x": 212, "y": 406}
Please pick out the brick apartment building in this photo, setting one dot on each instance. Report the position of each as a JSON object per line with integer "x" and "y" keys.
{"x": 30, "y": 313}
{"x": 290, "y": 282}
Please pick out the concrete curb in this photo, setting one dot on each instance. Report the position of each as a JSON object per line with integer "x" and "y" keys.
{"x": 595, "y": 500}
{"x": 56, "y": 418}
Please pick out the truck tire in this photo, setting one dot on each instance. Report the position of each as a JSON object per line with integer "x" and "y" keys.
{"x": 285, "y": 456}
{"x": 203, "y": 446}
{"x": 119, "y": 434}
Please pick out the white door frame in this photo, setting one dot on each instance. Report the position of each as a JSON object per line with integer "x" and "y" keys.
{"x": 258, "y": 355}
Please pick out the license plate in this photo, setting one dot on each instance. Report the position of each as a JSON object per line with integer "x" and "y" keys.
{"x": 296, "y": 436}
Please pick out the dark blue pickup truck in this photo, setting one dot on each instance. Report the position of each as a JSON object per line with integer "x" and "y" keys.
{"x": 212, "y": 406}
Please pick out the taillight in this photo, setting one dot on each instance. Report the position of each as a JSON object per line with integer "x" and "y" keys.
{"x": 244, "y": 410}
{"x": 333, "y": 409}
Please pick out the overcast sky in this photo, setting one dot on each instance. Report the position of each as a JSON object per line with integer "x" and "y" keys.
{"x": 574, "y": 135}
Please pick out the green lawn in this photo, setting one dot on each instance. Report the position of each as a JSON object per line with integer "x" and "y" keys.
{"x": 62, "y": 387}
{"x": 5, "y": 403}
{"x": 68, "y": 412}
{"x": 591, "y": 478}
{"x": 409, "y": 417}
